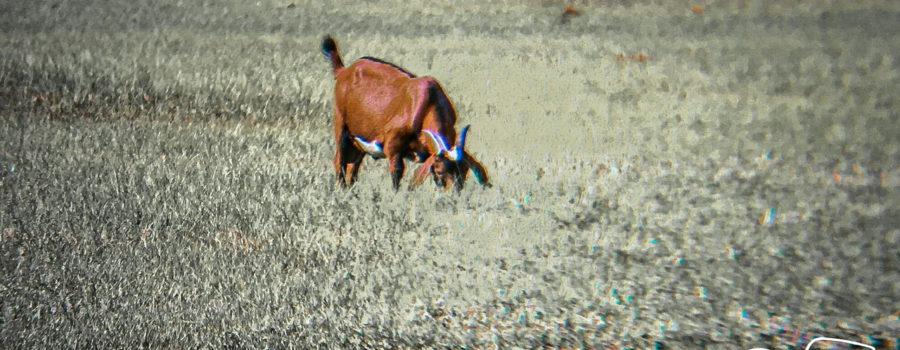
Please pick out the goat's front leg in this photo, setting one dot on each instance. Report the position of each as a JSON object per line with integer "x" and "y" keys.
{"x": 396, "y": 168}
{"x": 394, "y": 148}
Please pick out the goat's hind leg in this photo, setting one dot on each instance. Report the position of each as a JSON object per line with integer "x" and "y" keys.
{"x": 354, "y": 162}
{"x": 340, "y": 144}
{"x": 347, "y": 159}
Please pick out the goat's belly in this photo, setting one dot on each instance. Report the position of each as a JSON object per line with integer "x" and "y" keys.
{"x": 373, "y": 148}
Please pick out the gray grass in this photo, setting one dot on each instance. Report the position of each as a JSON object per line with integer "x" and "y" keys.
{"x": 166, "y": 179}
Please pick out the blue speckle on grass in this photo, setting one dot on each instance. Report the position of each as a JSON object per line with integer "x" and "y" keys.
{"x": 734, "y": 253}
{"x": 770, "y": 216}
{"x": 594, "y": 248}
{"x": 652, "y": 240}
{"x": 876, "y": 342}
{"x": 501, "y": 291}
{"x": 527, "y": 198}
{"x": 613, "y": 292}
{"x": 673, "y": 326}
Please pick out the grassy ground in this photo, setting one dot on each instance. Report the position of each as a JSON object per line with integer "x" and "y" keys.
{"x": 724, "y": 177}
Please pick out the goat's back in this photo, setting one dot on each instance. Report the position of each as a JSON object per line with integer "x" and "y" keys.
{"x": 375, "y": 97}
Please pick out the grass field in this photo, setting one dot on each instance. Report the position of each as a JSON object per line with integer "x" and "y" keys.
{"x": 722, "y": 176}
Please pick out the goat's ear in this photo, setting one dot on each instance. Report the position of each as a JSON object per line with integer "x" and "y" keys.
{"x": 421, "y": 172}
{"x": 481, "y": 174}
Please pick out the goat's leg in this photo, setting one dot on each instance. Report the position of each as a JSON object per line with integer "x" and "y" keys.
{"x": 396, "y": 167}
{"x": 341, "y": 142}
{"x": 343, "y": 156}
{"x": 393, "y": 150}
{"x": 348, "y": 160}
{"x": 354, "y": 162}
{"x": 339, "y": 173}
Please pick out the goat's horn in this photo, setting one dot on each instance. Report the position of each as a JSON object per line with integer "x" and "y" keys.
{"x": 438, "y": 141}
{"x": 457, "y": 152}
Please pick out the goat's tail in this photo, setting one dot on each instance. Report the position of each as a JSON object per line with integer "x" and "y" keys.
{"x": 329, "y": 48}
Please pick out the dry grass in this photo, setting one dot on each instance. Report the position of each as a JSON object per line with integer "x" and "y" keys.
{"x": 663, "y": 177}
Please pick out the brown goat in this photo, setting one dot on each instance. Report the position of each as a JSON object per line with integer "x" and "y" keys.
{"x": 383, "y": 110}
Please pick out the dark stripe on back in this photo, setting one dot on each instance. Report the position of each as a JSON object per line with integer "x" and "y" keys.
{"x": 404, "y": 71}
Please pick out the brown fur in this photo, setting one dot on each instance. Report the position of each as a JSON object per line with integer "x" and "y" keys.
{"x": 379, "y": 101}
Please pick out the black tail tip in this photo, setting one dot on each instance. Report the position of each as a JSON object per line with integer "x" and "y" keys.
{"x": 328, "y": 45}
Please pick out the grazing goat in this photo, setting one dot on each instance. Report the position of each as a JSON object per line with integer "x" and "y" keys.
{"x": 383, "y": 110}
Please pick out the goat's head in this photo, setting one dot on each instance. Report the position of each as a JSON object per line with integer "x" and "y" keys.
{"x": 450, "y": 165}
